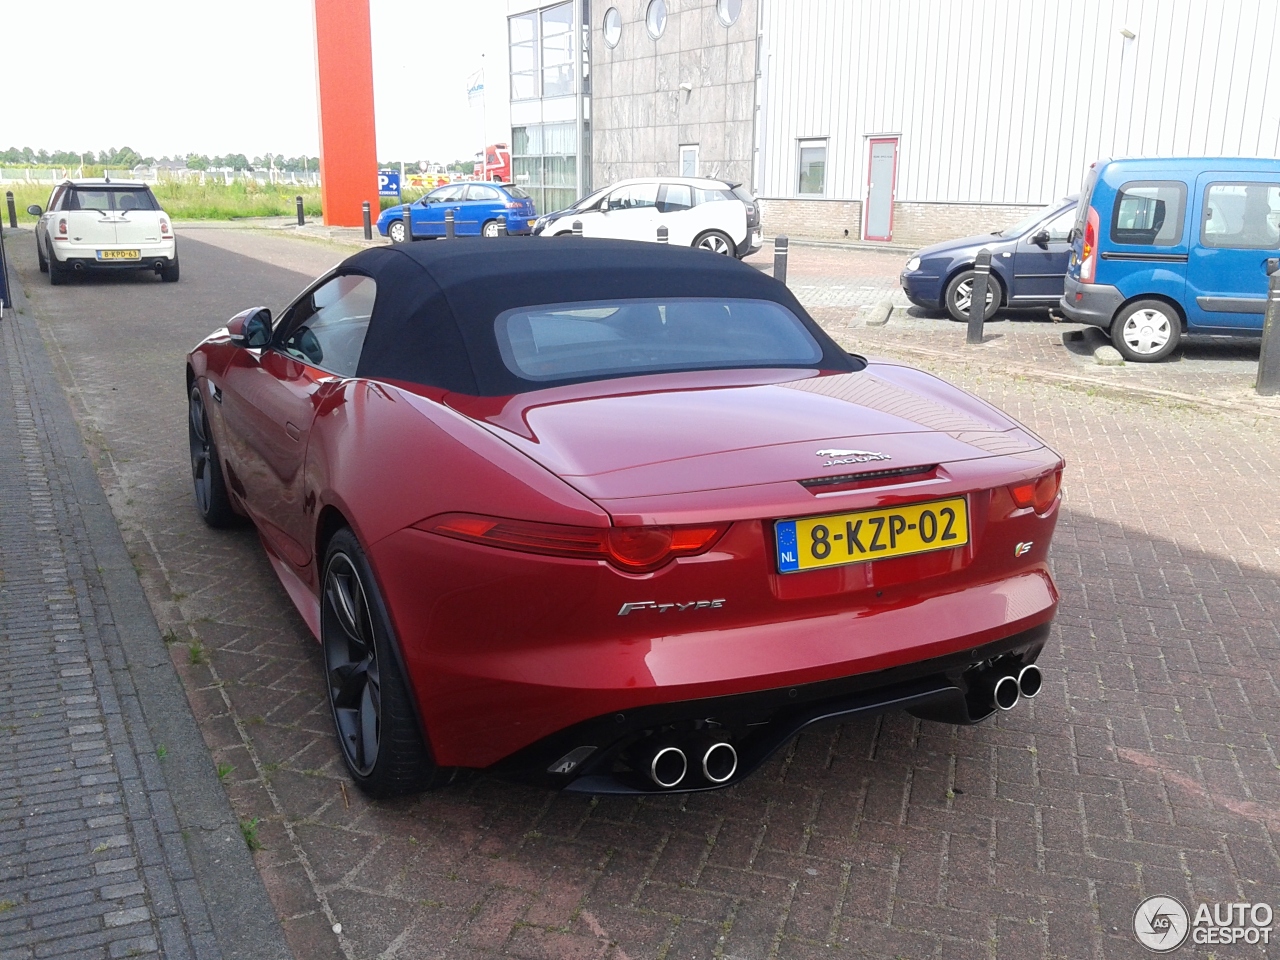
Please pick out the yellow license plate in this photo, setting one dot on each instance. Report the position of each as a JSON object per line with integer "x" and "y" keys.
{"x": 871, "y": 534}
{"x": 119, "y": 255}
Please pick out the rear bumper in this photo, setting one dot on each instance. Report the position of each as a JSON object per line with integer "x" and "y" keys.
{"x": 1092, "y": 303}
{"x": 85, "y": 257}
{"x": 510, "y": 654}
{"x": 752, "y": 242}
{"x": 944, "y": 689}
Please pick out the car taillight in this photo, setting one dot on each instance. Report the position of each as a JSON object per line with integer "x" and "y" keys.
{"x": 633, "y": 549}
{"x": 62, "y": 226}
{"x": 164, "y": 228}
{"x": 1089, "y": 252}
{"x": 514, "y": 204}
{"x": 1037, "y": 493}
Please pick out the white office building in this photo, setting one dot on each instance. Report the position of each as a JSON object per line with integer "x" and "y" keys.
{"x": 899, "y": 120}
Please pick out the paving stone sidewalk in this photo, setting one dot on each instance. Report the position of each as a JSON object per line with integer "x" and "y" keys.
{"x": 100, "y": 844}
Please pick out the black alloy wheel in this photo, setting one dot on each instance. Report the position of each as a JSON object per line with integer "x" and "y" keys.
{"x": 212, "y": 500}
{"x": 381, "y": 740}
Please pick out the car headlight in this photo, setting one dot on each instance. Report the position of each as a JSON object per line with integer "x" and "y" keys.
{"x": 913, "y": 264}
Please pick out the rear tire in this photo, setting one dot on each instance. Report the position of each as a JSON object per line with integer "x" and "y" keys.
{"x": 44, "y": 264}
{"x": 382, "y": 742}
{"x": 58, "y": 274}
{"x": 491, "y": 228}
{"x": 1146, "y": 331}
{"x": 960, "y": 289}
{"x": 212, "y": 501}
{"x": 169, "y": 274}
{"x": 714, "y": 241}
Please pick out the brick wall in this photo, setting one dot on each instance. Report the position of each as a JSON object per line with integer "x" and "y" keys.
{"x": 914, "y": 224}
{"x": 812, "y": 219}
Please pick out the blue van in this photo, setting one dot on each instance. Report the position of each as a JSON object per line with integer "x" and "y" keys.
{"x": 1163, "y": 248}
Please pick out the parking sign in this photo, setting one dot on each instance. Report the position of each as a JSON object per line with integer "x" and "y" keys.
{"x": 388, "y": 183}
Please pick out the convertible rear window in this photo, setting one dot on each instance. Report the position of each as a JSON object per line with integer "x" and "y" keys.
{"x": 617, "y": 338}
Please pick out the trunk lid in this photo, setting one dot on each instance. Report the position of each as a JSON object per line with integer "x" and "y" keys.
{"x": 679, "y": 434}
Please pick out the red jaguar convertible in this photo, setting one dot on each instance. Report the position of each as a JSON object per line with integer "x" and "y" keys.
{"x": 616, "y": 515}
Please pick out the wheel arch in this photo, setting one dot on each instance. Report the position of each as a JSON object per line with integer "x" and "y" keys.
{"x": 1160, "y": 297}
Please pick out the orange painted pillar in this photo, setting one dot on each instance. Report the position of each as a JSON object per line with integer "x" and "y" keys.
{"x": 344, "y": 74}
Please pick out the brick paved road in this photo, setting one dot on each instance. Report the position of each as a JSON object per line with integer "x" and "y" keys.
{"x": 1149, "y": 764}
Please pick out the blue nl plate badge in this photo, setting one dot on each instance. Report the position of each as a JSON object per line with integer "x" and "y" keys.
{"x": 788, "y": 550}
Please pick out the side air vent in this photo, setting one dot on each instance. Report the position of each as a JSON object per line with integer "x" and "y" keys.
{"x": 869, "y": 478}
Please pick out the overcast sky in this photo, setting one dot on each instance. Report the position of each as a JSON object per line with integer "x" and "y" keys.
{"x": 239, "y": 76}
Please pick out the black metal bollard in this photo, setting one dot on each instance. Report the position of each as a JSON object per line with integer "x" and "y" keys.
{"x": 506, "y": 228}
{"x": 13, "y": 212}
{"x": 978, "y": 295}
{"x": 1268, "y": 384}
{"x": 780, "y": 245}
{"x": 664, "y": 234}
{"x": 408, "y": 223}
{"x": 368, "y": 224}
{"x": 301, "y": 219}
{"x": 577, "y": 228}
{"x": 448, "y": 225}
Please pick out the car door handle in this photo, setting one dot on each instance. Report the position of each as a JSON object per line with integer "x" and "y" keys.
{"x": 215, "y": 391}
{"x": 293, "y": 432}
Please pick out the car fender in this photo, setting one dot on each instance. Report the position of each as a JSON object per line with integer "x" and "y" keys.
{"x": 388, "y": 458}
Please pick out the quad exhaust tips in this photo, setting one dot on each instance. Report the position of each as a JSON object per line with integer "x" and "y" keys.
{"x": 669, "y": 765}
{"x": 1004, "y": 688}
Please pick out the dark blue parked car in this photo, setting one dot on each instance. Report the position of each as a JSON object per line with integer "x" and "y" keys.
{"x": 1028, "y": 263}
{"x": 479, "y": 209}
{"x": 1166, "y": 247}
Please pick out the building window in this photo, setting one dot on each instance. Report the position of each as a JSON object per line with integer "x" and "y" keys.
{"x": 557, "y": 51}
{"x": 812, "y": 181}
{"x": 689, "y": 160}
{"x": 542, "y": 53}
{"x": 612, "y": 27}
{"x": 728, "y": 11}
{"x": 655, "y": 18}
{"x": 545, "y": 162}
{"x": 524, "y": 56}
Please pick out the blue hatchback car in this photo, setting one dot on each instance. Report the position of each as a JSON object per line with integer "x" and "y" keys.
{"x": 1163, "y": 248}
{"x": 479, "y": 209}
{"x": 1028, "y": 261}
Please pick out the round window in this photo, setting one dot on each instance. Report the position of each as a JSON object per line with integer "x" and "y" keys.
{"x": 728, "y": 11}
{"x": 655, "y": 18}
{"x": 612, "y": 27}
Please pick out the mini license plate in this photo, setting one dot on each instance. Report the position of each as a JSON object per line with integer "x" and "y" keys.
{"x": 841, "y": 538}
{"x": 118, "y": 255}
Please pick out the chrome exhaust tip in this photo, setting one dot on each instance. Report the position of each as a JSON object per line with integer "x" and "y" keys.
{"x": 1030, "y": 680}
{"x": 1005, "y": 693}
{"x": 720, "y": 762}
{"x": 668, "y": 767}
{"x": 78, "y": 266}
{"x": 159, "y": 266}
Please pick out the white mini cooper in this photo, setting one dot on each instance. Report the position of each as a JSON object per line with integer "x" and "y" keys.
{"x": 104, "y": 224}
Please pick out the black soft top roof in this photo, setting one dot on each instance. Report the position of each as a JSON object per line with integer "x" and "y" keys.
{"x": 433, "y": 318}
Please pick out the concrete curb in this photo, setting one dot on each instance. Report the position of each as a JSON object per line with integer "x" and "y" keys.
{"x": 240, "y": 912}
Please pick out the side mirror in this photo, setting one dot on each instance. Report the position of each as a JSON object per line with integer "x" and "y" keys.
{"x": 251, "y": 328}
{"x": 35, "y": 210}
{"x": 1040, "y": 238}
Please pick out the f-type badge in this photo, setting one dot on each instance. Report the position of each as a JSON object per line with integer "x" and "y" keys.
{"x": 628, "y": 608}
{"x": 837, "y": 458}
